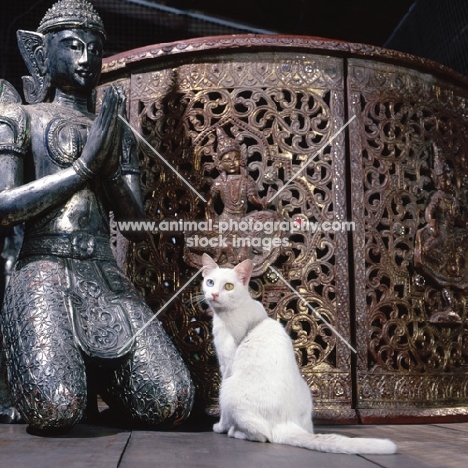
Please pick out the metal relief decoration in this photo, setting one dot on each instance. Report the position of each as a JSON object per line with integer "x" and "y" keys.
{"x": 236, "y": 231}
{"x": 409, "y": 193}
{"x": 279, "y": 111}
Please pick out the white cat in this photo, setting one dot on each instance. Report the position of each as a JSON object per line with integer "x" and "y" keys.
{"x": 263, "y": 396}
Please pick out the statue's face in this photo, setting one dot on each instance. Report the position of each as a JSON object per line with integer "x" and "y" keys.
{"x": 230, "y": 162}
{"x": 74, "y": 60}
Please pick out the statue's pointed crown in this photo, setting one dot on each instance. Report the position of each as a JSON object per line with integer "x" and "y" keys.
{"x": 225, "y": 143}
{"x": 71, "y": 14}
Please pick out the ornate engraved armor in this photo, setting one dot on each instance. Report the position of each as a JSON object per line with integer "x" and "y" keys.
{"x": 70, "y": 315}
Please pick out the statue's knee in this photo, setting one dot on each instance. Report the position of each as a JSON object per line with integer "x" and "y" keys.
{"x": 154, "y": 404}
{"x": 59, "y": 407}
{"x": 172, "y": 403}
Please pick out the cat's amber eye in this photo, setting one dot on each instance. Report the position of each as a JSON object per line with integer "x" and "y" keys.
{"x": 229, "y": 286}
{"x": 210, "y": 283}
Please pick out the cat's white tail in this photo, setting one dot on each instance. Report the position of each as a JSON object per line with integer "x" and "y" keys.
{"x": 292, "y": 434}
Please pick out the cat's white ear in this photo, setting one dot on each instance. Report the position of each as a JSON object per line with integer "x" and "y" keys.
{"x": 244, "y": 271}
{"x": 208, "y": 264}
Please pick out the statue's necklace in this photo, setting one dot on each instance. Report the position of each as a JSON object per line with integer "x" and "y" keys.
{"x": 65, "y": 138}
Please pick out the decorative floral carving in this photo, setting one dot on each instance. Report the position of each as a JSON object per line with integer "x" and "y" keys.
{"x": 282, "y": 105}
{"x": 400, "y": 115}
{"x": 282, "y": 110}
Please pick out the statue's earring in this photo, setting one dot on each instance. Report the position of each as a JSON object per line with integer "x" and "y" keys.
{"x": 36, "y": 86}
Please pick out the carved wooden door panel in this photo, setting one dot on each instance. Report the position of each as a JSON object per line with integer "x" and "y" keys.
{"x": 410, "y": 131}
{"x": 281, "y": 108}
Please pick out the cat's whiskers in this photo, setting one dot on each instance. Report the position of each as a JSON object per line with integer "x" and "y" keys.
{"x": 195, "y": 299}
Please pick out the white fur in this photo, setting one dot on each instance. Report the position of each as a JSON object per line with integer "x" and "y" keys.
{"x": 263, "y": 396}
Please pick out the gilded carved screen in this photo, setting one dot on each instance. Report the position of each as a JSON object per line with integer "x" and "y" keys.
{"x": 391, "y": 278}
{"x": 281, "y": 109}
{"x": 409, "y": 175}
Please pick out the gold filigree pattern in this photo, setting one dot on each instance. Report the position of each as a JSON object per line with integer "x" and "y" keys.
{"x": 401, "y": 114}
{"x": 282, "y": 98}
{"x": 280, "y": 110}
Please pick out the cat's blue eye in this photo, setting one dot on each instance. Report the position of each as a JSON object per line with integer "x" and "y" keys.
{"x": 210, "y": 283}
{"x": 228, "y": 286}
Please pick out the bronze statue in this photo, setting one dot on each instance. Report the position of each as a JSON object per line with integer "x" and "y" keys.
{"x": 233, "y": 185}
{"x": 240, "y": 232}
{"x": 72, "y": 323}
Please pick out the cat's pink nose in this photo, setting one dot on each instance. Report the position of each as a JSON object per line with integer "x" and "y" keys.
{"x": 214, "y": 295}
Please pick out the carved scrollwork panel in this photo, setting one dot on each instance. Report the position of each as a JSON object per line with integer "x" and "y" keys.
{"x": 283, "y": 110}
{"x": 404, "y": 118}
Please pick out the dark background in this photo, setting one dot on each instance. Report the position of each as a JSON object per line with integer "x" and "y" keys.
{"x": 435, "y": 29}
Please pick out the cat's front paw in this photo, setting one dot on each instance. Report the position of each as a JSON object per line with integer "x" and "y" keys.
{"x": 219, "y": 428}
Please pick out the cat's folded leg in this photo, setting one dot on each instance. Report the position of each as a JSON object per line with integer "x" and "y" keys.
{"x": 254, "y": 430}
{"x": 236, "y": 434}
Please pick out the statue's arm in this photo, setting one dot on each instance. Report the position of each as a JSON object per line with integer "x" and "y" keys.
{"x": 123, "y": 188}
{"x": 210, "y": 212}
{"x": 18, "y": 201}
{"x": 124, "y": 194}
{"x": 432, "y": 209}
{"x": 253, "y": 196}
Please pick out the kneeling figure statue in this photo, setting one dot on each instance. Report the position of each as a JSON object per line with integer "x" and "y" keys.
{"x": 72, "y": 323}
